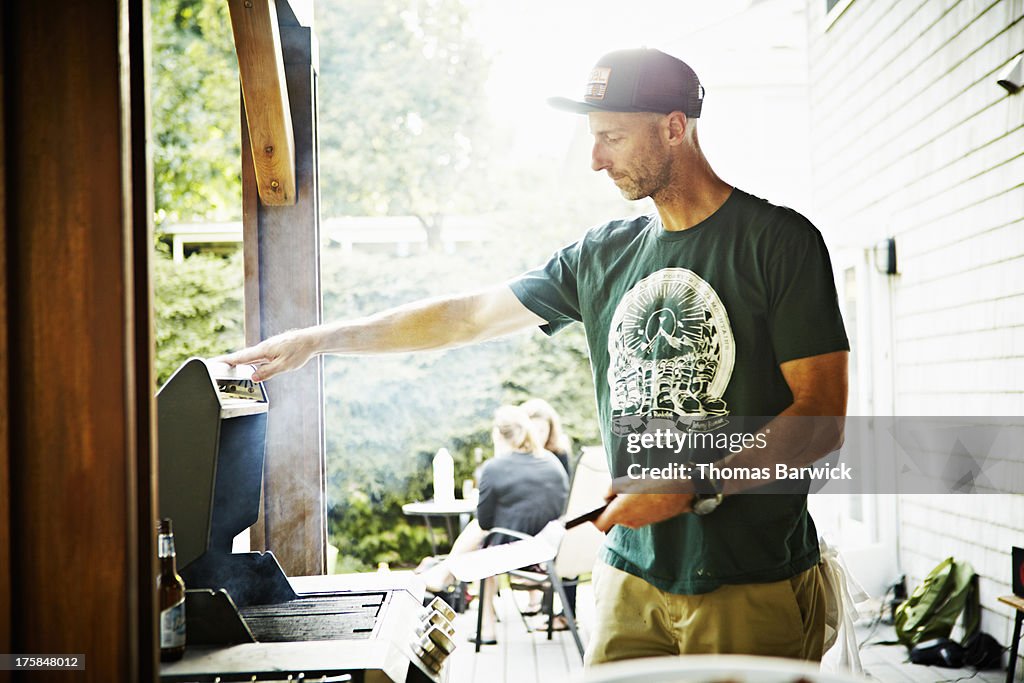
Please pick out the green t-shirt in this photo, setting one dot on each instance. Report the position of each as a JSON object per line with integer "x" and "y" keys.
{"x": 692, "y": 326}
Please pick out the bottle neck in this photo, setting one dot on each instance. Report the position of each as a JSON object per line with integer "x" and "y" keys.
{"x": 166, "y": 552}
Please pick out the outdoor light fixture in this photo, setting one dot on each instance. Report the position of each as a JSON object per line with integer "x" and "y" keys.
{"x": 1012, "y": 77}
{"x": 885, "y": 256}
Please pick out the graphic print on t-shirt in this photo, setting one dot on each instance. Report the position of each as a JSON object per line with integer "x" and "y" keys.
{"x": 671, "y": 352}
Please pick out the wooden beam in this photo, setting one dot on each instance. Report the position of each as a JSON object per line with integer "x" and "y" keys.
{"x": 282, "y": 253}
{"x": 265, "y": 98}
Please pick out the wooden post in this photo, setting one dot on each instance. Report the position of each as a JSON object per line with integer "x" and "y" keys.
{"x": 282, "y": 264}
{"x": 76, "y": 530}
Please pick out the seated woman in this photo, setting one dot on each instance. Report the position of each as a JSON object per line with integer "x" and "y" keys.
{"x": 547, "y": 430}
{"x": 522, "y": 488}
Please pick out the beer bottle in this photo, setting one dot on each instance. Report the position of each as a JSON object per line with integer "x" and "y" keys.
{"x": 172, "y": 598}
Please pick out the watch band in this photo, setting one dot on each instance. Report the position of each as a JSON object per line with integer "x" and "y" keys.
{"x": 704, "y": 485}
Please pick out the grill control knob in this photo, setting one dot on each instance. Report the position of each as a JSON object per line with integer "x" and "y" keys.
{"x": 439, "y": 605}
{"x": 429, "y": 653}
{"x": 439, "y": 620}
{"x": 442, "y": 624}
{"x": 428, "y": 659}
{"x": 438, "y": 641}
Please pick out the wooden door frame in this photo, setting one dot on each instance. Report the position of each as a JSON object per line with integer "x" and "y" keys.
{"x": 76, "y": 441}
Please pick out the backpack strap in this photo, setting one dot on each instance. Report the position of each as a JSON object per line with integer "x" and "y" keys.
{"x": 972, "y": 609}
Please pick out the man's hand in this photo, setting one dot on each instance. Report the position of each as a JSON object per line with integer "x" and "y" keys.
{"x": 284, "y": 352}
{"x": 635, "y": 510}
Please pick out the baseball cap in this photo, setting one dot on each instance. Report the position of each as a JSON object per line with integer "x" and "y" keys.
{"x": 638, "y": 80}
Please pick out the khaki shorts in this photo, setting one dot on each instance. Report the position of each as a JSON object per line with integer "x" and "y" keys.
{"x": 635, "y": 619}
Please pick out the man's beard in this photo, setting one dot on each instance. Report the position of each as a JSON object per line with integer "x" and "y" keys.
{"x": 646, "y": 181}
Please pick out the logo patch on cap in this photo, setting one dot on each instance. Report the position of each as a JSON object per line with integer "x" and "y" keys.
{"x": 597, "y": 84}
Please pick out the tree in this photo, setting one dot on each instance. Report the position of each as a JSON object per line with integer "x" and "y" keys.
{"x": 196, "y": 120}
{"x": 400, "y": 84}
{"x": 198, "y": 306}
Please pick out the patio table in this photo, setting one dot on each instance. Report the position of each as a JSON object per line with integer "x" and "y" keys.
{"x": 458, "y": 508}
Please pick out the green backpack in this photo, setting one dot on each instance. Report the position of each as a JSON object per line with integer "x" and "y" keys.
{"x": 932, "y": 609}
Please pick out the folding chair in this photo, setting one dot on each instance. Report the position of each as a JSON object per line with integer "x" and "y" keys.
{"x": 580, "y": 546}
{"x": 558, "y": 553}
{"x": 496, "y": 560}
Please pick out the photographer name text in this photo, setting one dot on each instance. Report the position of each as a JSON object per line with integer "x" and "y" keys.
{"x": 711, "y": 471}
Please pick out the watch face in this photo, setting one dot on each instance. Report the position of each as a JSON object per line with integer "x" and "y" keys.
{"x": 702, "y": 506}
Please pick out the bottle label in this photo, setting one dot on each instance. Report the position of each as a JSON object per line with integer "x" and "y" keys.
{"x": 172, "y": 625}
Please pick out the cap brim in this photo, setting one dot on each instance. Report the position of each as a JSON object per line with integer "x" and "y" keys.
{"x": 565, "y": 104}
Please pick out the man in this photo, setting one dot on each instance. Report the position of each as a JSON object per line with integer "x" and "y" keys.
{"x": 717, "y": 306}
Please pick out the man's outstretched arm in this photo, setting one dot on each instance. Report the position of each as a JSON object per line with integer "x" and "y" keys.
{"x": 428, "y": 324}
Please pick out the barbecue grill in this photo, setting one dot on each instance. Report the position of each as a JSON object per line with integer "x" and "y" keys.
{"x": 246, "y": 620}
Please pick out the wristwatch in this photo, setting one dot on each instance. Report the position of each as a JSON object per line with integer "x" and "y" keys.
{"x": 707, "y": 496}
{"x": 704, "y": 504}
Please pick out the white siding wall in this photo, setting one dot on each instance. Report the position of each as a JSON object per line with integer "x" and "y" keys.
{"x": 913, "y": 138}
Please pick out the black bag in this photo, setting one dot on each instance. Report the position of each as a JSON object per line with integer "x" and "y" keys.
{"x": 938, "y": 652}
{"x": 983, "y": 652}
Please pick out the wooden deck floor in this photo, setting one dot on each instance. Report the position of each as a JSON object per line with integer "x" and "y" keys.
{"x": 519, "y": 656}
{"x": 522, "y": 657}
{"x": 890, "y": 664}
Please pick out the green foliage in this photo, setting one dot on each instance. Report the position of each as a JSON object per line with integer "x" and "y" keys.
{"x": 373, "y": 530}
{"x": 400, "y": 112}
{"x": 196, "y": 119}
{"x": 198, "y": 307}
